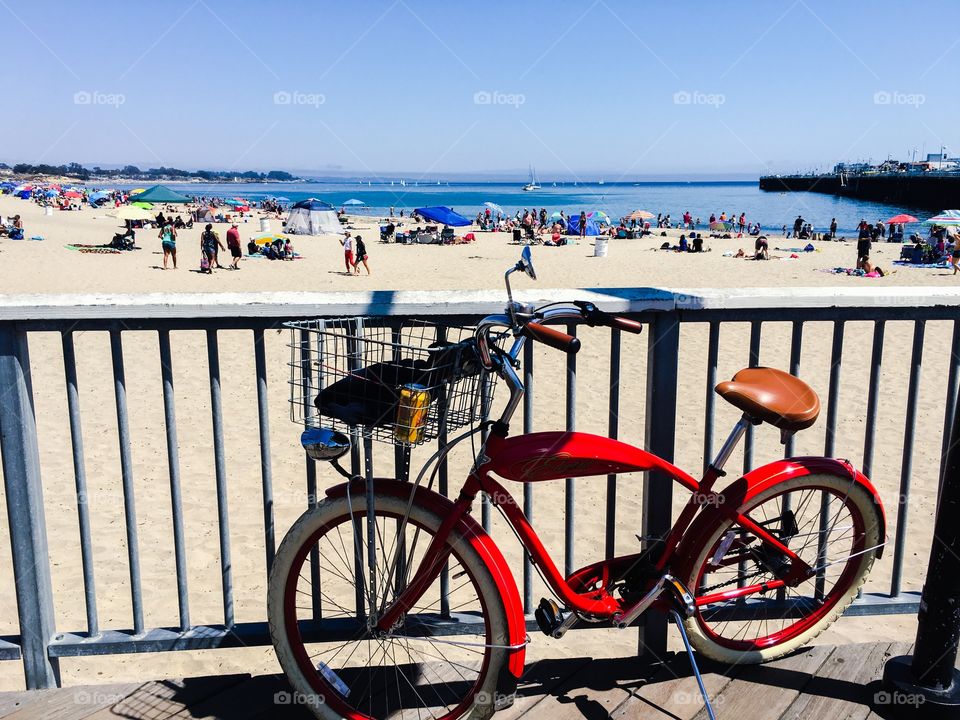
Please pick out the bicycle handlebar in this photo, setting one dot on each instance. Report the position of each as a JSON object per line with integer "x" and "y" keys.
{"x": 548, "y": 336}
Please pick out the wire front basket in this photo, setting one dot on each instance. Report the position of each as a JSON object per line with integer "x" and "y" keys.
{"x": 401, "y": 382}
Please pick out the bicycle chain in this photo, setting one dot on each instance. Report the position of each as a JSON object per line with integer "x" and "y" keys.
{"x": 728, "y": 582}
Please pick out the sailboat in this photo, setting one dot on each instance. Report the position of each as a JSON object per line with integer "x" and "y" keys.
{"x": 534, "y": 184}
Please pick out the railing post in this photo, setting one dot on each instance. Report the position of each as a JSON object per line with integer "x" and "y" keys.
{"x": 927, "y": 685}
{"x": 24, "y": 495}
{"x": 663, "y": 347}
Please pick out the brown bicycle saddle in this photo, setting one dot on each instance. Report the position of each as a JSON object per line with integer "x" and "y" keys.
{"x": 773, "y": 396}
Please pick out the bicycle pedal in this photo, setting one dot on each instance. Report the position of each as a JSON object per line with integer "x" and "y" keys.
{"x": 549, "y": 617}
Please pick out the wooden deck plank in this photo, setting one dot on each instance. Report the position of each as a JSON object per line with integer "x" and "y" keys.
{"x": 764, "y": 692}
{"x": 162, "y": 699}
{"x": 74, "y": 703}
{"x": 843, "y": 688}
{"x": 673, "y": 693}
{"x": 542, "y": 681}
{"x": 11, "y": 702}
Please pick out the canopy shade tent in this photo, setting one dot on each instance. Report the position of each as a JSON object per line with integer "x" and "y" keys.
{"x": 947, "y": 217}
{"x": 573, "y": 226}
{"x": 442, "y": 214}
{"x": 161, "y": 194}
{"x": 312, "y": 217}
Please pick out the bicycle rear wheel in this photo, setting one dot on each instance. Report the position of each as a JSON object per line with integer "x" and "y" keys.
{"x": 831, "y": 524}
{"x": 441, "y": 660}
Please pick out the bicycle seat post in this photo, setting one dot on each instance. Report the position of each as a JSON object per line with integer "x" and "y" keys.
{"x": 730, "y": 444}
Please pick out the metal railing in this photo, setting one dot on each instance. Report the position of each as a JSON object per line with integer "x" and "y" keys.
{"x": 39, "y": 643}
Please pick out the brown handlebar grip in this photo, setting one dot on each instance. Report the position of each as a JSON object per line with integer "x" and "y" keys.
{"x": 625, "y": 324}
{"x": 554, "y": 338}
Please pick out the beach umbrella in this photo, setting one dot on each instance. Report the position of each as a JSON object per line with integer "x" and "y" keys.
{"x": 495, "y": 208}
{"x": 268, "y": 238}
{"x": 234, "y": 202}
{"x": 442, "y": 214}
{"x": 51, "y": 193}
{"x": 72, "y": 194}
{"x": 601, "y": 215}
{"x": 947, "y": 217}
{"x": 129, "y": 212}
{"x": 639, "y": 215}
{"x": 901, "y": 219}
{"x": 354, "y": 201}
{"x": 556, "y": 215}
{"x": 137, "y": 191}
{"x": 721, "y": 225}
{"x": 142, "y": 205}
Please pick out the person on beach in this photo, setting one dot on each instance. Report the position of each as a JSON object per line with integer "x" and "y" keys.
{"x": 168, "y": 241}
{"x": 209, "y": 244}
{"x": 361, "y": 257}
{"x": 233, "y": 244}
{"x": 583, "y": 224}
{"x": 347, "y": 242}
{"x": 833, "y": 229}
{"x": 798, "y": 226}
{"x": 863, "y": 248}
{"x": 761, "y": 249}
{"x": 955, "y": 258}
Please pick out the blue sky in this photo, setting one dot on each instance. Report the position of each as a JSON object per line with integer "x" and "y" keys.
{"x": 579, "y": 89}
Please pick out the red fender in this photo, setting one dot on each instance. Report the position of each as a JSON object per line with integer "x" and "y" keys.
{"x": 757, "y": 481}
{"x": 481, "y": 542}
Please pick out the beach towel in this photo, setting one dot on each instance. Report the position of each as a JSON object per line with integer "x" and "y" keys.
{"x": 854, "y": 272}
{"x": 930, "y": 266}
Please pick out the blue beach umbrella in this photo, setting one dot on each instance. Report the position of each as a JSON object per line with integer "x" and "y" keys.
{"x": 495, "y": 208}
{"x": 354, "y": 201}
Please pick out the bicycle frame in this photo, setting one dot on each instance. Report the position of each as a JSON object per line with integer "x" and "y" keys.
{"x": 554, "y": 455}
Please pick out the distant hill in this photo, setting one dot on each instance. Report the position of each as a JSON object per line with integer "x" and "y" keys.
{"x": 132, "y": 172}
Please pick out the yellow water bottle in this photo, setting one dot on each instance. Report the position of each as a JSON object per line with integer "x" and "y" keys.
{"x": 411, "y": 414}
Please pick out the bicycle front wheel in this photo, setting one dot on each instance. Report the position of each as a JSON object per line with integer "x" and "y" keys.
{"x": 441, "y": 660}
{"x": 830, "y": 522}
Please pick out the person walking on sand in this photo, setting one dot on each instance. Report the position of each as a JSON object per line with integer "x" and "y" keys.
{"x": 347, "y": 242}
{"x": 209, "y": 244}
{"x": 168, "y": 241}
{"x": 233, "y": 244}
{"x": 361, "y": 257}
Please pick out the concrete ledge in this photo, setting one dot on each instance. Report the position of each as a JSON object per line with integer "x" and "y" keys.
{"x": 454, "y": 302}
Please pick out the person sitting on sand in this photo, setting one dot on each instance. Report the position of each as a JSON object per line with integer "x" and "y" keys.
{"x": 287, "y": 249}
{"x": 697, "y": 243}
{"x": 762, "y": 250}
{"x": 168, "y": 241}
{"x": 683, "y": 244}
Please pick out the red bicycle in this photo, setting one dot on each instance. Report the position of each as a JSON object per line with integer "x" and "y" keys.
{"x": 387, "y": 599}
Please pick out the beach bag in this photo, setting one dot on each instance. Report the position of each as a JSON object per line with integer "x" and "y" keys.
{"x": 16, "y": 234}
{"x": 204, "y": 262}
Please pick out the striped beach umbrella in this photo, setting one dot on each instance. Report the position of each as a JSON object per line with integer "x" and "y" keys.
{"x": 947, "y": 217}
{"x": 639, "y": 215}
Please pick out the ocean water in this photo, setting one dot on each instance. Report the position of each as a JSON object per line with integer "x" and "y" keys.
{"x": 771, "y": 209}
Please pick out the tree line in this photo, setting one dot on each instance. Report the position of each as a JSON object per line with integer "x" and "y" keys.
{"x": 76, "y": 170}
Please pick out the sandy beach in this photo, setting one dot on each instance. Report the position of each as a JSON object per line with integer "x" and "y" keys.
{"x": 47, "y": 266}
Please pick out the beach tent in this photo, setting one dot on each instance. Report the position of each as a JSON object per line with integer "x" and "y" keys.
{"x": 205, "y": 215}
{"x": 161, "y": 194}
{"x": 312, "y": 217}
{"x": 442, "y": 214}
{"x": 573, "y": 226}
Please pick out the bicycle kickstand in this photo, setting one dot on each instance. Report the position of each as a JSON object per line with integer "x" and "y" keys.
{"x": 693, "y": 662}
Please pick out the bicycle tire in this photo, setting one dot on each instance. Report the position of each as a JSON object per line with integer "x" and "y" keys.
{"x": 720, "y": 639}
{"x": 314, "y": 686}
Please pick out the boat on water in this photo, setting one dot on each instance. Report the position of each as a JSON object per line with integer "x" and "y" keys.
{"x": 533, "y": 184}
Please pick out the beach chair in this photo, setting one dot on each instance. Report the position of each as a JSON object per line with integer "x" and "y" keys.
{"x": 447, "y": 236}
